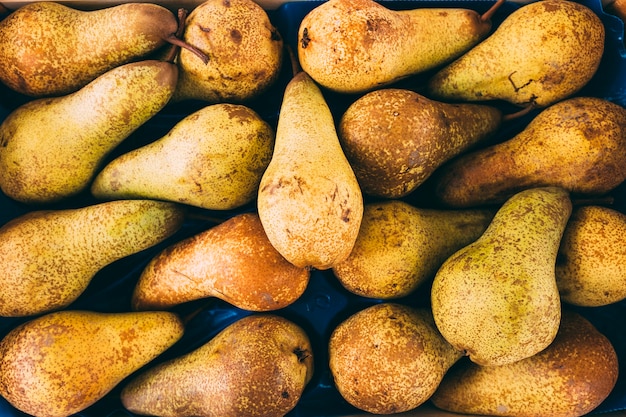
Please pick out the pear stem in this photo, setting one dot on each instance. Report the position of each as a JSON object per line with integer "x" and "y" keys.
{"x": 295, "y": 64}
{"x": 178, "y": 42}
{"x": 596, "y": 201}
{"x": 518, "y": 114}
{"x": 492, "y": 10}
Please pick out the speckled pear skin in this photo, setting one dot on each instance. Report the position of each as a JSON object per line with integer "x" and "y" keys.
{"x": 50, "y": 49}
{"x": 257, "y": 366}
{"x": 497, "y": 299}
{"x": 591, "y": 267}
{"x": 570, "y": 378}
{"x": 61, "y": 363}
{"x": 542, "y": 53}
{"x": 389, "y": 358}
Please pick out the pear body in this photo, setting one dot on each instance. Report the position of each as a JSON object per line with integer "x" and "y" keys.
{"x": 353, "y": 46}
{"x": 396, "y": 138}
{"x": 541, "y": 53}
{"x": 51, "y": 148}
{"x": 49, "y": 257}
{"x": 497, "y": 298}
{"x": 389, "y": 358}
{"x": 309, "y": 200}
{"x": 578, "y": 144}
{"x": 69, "y": 47}
{"x": 233, "y": 261}
{"x": 61, "y": 363}
{"x": 400, "y": 247}
{"x": 198, "y": 162}
{"x": 257, "y": 366}
{"x": 570, "y": 378}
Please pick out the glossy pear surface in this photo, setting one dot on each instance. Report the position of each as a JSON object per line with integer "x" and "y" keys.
{"x": 389, "y": 358}
{"x": 497, "y": 299}
{"x": 50, "y": 49}
{"x": 213, "y": 158}
{"x": 542, "y": 53}
{"x": 395, "y": 138}
{"x": 61, "y": 363}
{"x": 352, "y": 46}
{"x": 570, "y": 378}
{"x": 51, "y": 148}
{"x": 309, "y": 201}
{"x": 578, "y": 144}
{"x": 257, "y": 366}
{"x": 399, "y": 247}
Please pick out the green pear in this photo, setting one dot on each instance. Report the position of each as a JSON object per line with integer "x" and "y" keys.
{"x": 49, "y": 257}
{"x": 309, "y": 200}
{"x": 213, "y": 158}
{"x": 51, "y": 148}
{"x": 61, "y": 363}
{"x": 578, "y": 144}
{"x": 389, "y": 358}
{"x": 399, "y": 247}
{"x": 496, "y": 299}
{"x": 542, "y": 53}
{"x": 569, "y": 378}
{"x": 395, "y": 138}
{"x": 51, "y": 49}
{"x": 257, "y": 366}
{"x": 352, "y": 46}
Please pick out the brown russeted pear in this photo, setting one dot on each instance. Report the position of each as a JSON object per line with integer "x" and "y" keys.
{"x": 353, "y": 46}
{"x": 213, "y": 158}
{"x": 395, "y": 138}
{"x": 51, "y": 148}
{"x": 569, "y": 378}
{"x": 49, "y": 257}
{"x": 60, "y": 363}
{"x": 233, "y": 261}
{"x": 400, "y": 247}
{"x": 578, "y": 144}
{"x": 51, "y": 49}
{"x": 257, "y": 366}
{"x": 543, "y": 52}
{"x": 389, "y": 358}
{"x": 497, "y": 299}
{"x": 591, "y": 267}
{"x": 309, "y": 200}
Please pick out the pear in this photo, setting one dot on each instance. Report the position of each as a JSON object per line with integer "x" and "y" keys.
{"x": 49, "y": 257}
{"x": 496, "y": 299}
{"x": 245, "y": 52}
{"x": 541, "y": 53}
{"x": 309, "y": 200}
{"x": 51, "y": 148}
{"x": 591, "y": 267}
{"x": 353, "y": 46}
{"x": 399, "y": 247}
{"x": 569, "y": 378}
{"x": 233, "y": 261}
{"x": 61, "y": 363}
{"x": 395, "y": 138}
{"x": 578, "y": 144}
{"x": 213, "y": 158}
{"x": 389, "y": 358}
{"x": 51, "y": 49}
{"x": 257, "y": 366}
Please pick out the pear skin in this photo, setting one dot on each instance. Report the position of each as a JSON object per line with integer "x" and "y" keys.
{"x": 61, "y": 363}
{"x": 257, "y": 366}
{"x": 396, "y": 138}
{"x": 496, "y": 299}
{"x": 309, "y": 200}
{"x": 50, "y": 49}
{"x": 400, "y": 247}
{"x": 389, "y": 358}
{"x": 51, "y": 148}
{"x": 233, "y": 261}
{"x": 49, "y": 257}
{"x": 569, "y": 378}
